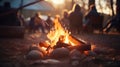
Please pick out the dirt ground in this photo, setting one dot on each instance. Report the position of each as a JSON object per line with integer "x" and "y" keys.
{"x": 111, "y": 40}
{"x": 13, "y": 51}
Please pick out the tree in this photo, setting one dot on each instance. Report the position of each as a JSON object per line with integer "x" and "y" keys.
{"x": 117, "y": 6}
{"x": 111, "y": 3}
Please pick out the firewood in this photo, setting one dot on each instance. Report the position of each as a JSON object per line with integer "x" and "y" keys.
{"x": 60, "y": 44}
{"x": 84, "y": 47}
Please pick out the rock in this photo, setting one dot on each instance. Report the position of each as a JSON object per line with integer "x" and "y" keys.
{"x": 34, "y": 55}
{"x": 75, "y": 53}
{"x": 59, "y": 53}
{"x": 76, "y": 57}
{"x": 36, "y": 47}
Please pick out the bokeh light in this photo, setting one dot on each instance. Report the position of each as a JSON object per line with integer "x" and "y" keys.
{"x": 58, "y": 1}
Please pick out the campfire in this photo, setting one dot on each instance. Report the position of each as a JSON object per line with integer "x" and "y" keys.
{"x": 59, "y": 33}
{"x": 60, "y": 44}
{"x": 61, "y": 38}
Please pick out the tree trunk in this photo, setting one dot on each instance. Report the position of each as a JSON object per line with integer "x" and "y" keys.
{"x": 118, "y": 6}
{"x": 111, "y": 3}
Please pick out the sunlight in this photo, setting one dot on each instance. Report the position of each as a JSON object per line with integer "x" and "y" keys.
{"x": 58, "y": 2}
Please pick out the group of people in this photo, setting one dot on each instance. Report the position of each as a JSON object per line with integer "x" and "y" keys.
{"x": 91, "y": 21}
{"x": 75, "y": 21}
{"x": 78, "y": 22}
{"x": 36, "y": 23}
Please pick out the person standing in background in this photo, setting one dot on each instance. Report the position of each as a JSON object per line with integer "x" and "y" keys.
{"x": 76, "y": 18}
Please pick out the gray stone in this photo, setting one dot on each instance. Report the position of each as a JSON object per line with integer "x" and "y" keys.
{"x": 60, "y": 53}
{"x": 34, "y": 55}
{"x": 75, "y": 53}
{"x": 36, "y": 47}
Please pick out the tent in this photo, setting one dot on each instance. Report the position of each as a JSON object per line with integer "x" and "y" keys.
{"x": 42, "y": 5}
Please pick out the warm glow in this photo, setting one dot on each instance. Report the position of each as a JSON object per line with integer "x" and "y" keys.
{"x": 102, "y": 6}
{"x": 58, "y": 1}
{"x": 56, "y": 33}
{"x": 93, "y": 47}
{"x": 60, "y": 32}
{"x": 44, "y": 48}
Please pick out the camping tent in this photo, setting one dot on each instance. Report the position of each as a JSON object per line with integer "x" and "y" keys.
{"x": 42, "y": 5}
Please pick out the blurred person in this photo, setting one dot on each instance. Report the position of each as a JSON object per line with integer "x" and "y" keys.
{"x": 49, "y": 22}
{"x": 20, "y": 18}
{"x": 75, "y": 18}
{"x": 65, "y": 20}
{"x": 37, "y": 22}
{"x": 113, "y": 23}
{"x": 92, "y": 20}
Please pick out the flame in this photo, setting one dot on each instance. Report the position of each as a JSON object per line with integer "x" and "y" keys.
{"x": 44, "y": 48}
{"x": 60, "y": 33}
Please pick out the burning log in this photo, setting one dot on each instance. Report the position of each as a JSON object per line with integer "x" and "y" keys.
{"x": 72, "y": 38}
{"x": 61, "y": 43}
{"x": 80, "y": 48}
{"x": 84, "y": 47}
{"x": 43, "y": 44}
{"x": 80, "y": 45}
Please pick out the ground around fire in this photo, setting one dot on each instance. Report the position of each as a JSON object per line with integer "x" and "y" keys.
{"x": 13, "y": 51}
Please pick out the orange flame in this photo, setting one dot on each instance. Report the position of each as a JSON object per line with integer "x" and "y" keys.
{"x": 59, "y": 31}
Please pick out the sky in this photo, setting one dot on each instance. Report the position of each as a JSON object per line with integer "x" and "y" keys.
{"x": 43, "y": 6}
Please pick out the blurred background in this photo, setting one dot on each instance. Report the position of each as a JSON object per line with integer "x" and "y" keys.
{"x": 56, "y": 7}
